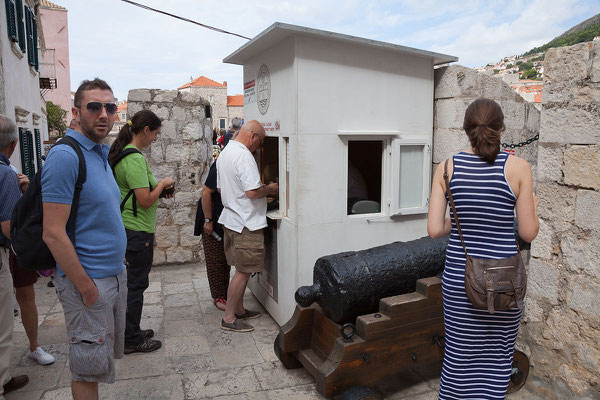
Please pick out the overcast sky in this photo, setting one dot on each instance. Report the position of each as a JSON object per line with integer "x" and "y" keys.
{"x": 132, "y": 48}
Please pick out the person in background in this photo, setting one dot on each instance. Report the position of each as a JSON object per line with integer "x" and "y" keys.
{"x": 207, "y": 217}
{"x": 139, "y": 200}
{"x": 90, "y": 278}
{"x": 488, "y": 186}
{"x": 244, "y": 217}
{"x": 10, "y": 192}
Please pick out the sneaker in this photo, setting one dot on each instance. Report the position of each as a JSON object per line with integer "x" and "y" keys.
{"x": 148, "y": 333}
{"x": 236, "y": 326}
{"x": 248, "y": 314}
{"x": 41, "y": 356}
{"x": 16, "y": 382}
{"x": 146, "y": 346}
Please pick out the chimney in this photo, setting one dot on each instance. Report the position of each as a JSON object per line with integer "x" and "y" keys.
{"x": 191, "y": 79}
{"x": 224, "y": 83}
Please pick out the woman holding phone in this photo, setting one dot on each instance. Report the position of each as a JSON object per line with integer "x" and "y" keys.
{"x": 139, "y": 200}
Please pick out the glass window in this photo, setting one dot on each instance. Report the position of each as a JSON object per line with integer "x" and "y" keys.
{"x": 364, "y": 176}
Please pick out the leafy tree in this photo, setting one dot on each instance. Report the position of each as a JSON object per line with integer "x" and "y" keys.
{"x": 519, "y": 62}
{"x": 529, "y": 74}
{"x": 496, "y": 71}
{"x": 584, "y": 35}
{"x": 509, "y": 66}
{"x": 57, "y": 125}
{"x": 525, "y": 66}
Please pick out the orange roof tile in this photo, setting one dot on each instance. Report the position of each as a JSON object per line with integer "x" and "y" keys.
{"x": 48, "y": 4}
{"x": 537, "y": 98}
{"x": 122, "y": 107}
{"x": 202, "y": 81}
{"x": 236, "y": 100}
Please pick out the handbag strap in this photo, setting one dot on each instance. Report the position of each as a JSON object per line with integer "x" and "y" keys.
{"x": 462, "y": 240}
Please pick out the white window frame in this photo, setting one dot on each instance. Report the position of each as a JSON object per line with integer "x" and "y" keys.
{"x": 386, "y": 162}
{"x": 426, "y": 142}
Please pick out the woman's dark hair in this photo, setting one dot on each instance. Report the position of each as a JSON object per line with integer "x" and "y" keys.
{"x": 140, "y": 120}
{"x": 484, "y": 122}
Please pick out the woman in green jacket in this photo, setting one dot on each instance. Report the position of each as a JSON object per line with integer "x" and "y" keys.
{"x": 139, "y": 199}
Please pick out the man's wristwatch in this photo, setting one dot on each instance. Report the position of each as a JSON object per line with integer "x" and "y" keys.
{"x": 207, "y": 220}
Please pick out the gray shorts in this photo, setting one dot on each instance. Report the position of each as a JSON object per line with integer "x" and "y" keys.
{"x": 96, "y": 333}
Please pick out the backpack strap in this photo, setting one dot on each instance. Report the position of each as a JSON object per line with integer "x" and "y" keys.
{"x": 131, "y": 193}
{"x": 451, "y": 200}
{"x": 81, "y": 178}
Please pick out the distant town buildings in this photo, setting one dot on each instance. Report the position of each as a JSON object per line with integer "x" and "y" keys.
{"x": 55, "y": 75}
{"x": 523, "y": 74}
{"x": 224, "y": 107}
{"x": 21, "y": 42}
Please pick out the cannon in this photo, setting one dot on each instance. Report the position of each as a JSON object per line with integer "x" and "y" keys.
{"x": 350, "y": 284}
{"x": 349, "y": 350}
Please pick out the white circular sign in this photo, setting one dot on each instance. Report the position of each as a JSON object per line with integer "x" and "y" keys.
{"x": 263, "y": 87}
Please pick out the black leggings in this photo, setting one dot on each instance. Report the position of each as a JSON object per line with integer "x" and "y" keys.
{"x": 140, "y": 251}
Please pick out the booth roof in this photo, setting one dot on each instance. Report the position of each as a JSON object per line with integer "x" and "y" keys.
{"x": 279, "y": 31}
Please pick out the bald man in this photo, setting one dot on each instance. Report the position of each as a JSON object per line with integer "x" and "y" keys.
{"x": 244, "y": 216}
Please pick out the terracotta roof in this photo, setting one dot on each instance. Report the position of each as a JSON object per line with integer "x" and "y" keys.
{"x": 236, "y": 100}
{"x": 202, "y": 81}
{"x": 537, "y": 98}
{"x": 48, "y": 4}
{"x": 122, "y": 106}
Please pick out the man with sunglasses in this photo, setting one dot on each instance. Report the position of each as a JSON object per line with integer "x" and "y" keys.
{"x": 90, "y": 277}
{"x": 243, "y": 217}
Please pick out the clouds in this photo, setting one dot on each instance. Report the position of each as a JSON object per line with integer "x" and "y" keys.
{"x": 133, "y": 48}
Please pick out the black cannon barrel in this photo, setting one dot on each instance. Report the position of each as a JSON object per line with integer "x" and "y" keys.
{"x": 350, "y": 284}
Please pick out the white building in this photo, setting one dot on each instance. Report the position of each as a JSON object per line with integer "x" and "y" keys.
{"x": 336, "y": 108}
{"x": 20, "y": 98}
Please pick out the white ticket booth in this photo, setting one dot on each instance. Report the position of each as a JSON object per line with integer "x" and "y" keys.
{"x": 349, "y": 125}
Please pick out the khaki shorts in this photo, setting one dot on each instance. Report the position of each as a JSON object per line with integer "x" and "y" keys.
{"x": 246, "y": 250}
{"x": 96, "y": 333}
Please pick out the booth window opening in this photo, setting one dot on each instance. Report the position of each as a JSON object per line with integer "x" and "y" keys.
{"x": 365, "y": 158}
{"x": 269, "y": 167}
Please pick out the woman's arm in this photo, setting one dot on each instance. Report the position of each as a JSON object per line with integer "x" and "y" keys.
{"x": 527, "y": 202}
{"x": 146, "y": 198}
{"x": 207, "y": 208}
{"x": 438, "y": 223}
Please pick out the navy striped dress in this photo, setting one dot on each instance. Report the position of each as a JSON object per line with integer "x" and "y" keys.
{"x": 479, "y": 345}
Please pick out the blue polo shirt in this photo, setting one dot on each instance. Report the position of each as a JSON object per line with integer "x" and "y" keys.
{"x": 100, "y": 238}
{"x": 10, "y": 193}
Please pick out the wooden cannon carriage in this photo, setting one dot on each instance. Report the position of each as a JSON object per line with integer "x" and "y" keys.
{"x": 348, "y": 358}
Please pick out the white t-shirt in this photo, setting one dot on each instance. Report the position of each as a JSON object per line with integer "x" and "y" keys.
{"x": 237, "y": 172}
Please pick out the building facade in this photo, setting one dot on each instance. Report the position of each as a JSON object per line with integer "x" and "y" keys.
{"x": 20, "y": 100}
{"x": 224, "y": 108}
{"x": 54, "y": 68}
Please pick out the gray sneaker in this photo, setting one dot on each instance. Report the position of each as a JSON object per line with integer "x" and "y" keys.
{"x": 248, "y": 314}
{"x": 236, "y": 326}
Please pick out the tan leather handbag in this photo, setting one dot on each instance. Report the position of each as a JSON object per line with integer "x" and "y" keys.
{"x": 491, "y": 284}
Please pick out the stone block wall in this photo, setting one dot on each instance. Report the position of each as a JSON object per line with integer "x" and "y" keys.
{"x": 183, "y": 151}
{"x": 561, "y": 325}
{"x": 455, "y": 88}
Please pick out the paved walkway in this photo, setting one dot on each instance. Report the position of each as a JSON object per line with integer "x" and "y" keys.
{"x": 198, "y": 360}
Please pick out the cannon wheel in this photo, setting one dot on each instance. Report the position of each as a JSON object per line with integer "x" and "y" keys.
{"x": 288, "y": 360}
{"x": 520, "y": 372}
{"x": 360, "y": 393}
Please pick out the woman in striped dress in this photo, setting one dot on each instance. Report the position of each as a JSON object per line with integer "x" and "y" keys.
{"x": 488, "y": 186}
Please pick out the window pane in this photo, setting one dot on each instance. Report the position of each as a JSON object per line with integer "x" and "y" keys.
{"x": 364, "y": 176}
{"x": 411, "y": 175}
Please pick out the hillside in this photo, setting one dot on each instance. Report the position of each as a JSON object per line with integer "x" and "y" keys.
{"x": 583, "y": 32}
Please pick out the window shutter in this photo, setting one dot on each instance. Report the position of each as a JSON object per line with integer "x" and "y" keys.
{"x": 26, "y": 143}
{"x": 20, "y": 25}
{"x": 11, "y": 22}
{"x": 35, "y": 42}
{"x": 30, "y": 43}
{"x": 38, "y": 148}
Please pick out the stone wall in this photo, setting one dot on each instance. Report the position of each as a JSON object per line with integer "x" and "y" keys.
{"x": 182, "y": 152}
{"x": 455, "y": 88}
{"x": 561, "y": 327}
{"x": 218, "y": 103}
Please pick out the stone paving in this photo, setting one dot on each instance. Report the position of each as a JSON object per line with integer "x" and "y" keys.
{"x": 198, "y": 360}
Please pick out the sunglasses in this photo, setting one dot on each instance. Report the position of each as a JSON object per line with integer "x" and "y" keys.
{"x": 95, "y": 107}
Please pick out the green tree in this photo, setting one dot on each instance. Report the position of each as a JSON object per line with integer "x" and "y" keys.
{"x": 529, "y": 74}
{"x": 509, "y": 66}
{"x": 57, "y": 125}
{"x": 496, "y": 71}
{"x": 525, "y": 66}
